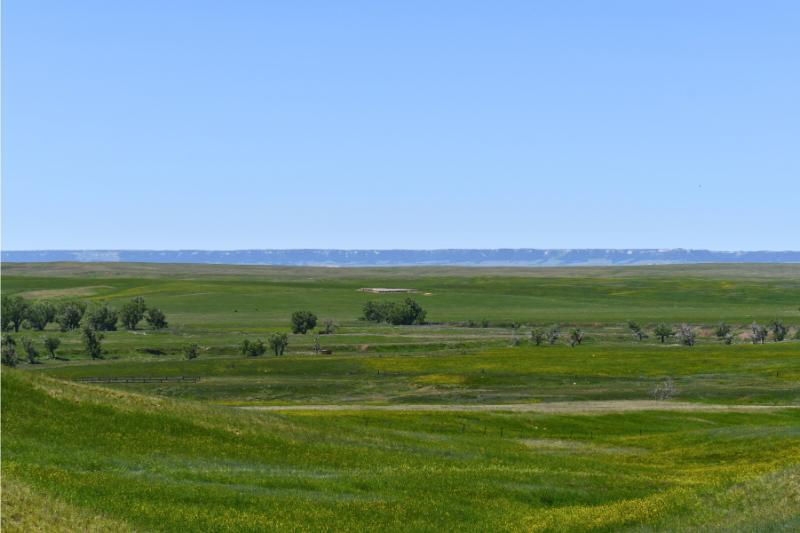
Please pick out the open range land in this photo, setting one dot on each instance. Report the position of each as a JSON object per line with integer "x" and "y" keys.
{"x": 460, "y": 423}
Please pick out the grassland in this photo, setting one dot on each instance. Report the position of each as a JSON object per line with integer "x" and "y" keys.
{"x": 178, "y": 456}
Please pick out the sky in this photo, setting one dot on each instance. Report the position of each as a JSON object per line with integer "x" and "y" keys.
{"x": 414, "y": 124}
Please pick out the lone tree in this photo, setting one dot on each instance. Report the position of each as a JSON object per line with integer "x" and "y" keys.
{"x": 156, "y": 318}
{"x": 51, "y": 344}
{"x": 278, "y": 343}
{"x": 70, "y": 314}
{"x": 553, "y": 334}
{"x": 663, "y": 332}
{"x": 133, "y": 312}
{"x": 30, "y": 350}
{"x": 779, "y": 331}
{"x": 303, "y": 321}
{"x": 102, "y": 318}
{"x": 575, "y": 337}
{"x": 686, "y": 335}
{"x": 759, "y": 333}
{"x": 253, "y": 348}
{"x": 40, "y": 314}
{"x": 91, "y": 341}
{"x": 191, "y": 351}
{"x": 8, "y": 348}
{"x": 637, "y": 330}
{"x": 14, "y": 311}
{"x": 537, "y": 337}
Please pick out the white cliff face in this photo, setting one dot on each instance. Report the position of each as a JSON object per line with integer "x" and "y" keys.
{"x": 450, "y": 257}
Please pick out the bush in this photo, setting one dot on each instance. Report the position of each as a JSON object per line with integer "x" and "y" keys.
{"x": 303, "y": 321}
{"x": 406, "y": 313}
{"x": 70, "y": 314}
{"x": 156, "y": 318}
{"x": 278, "y": 343}
{"x": 330, "y": 327}
{"x": 575, "y": 337}
{"x": 91, "y": 342}
{"x": 759, "y": 333}
{"x": 51, "y": 344}
{"x": 686, "y": 335}
{"x": 191, "y": 351}
{"x": 537, "y": 337}
{"x": 133, "y": 312}
{"x": 553, "y": 334}
{"x": 102, "y": 318}
{"x": 8, "y": 347}
{"x": 722, "y": 331}
{"x": 779, "y": 331}
{"x": 30, "y": 350}
{"x": 253, "y": 348}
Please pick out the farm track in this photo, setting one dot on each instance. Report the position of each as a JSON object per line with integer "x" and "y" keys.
{"x": 566, "y": 408}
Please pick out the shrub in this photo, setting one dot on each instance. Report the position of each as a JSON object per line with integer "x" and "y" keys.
{"x": 191, "y": 351}
{"x": 102, "y": 318}
{"x": 722, "y": 331}
{"x": 686, "y": 335}
{"x": 156, "y": 318}
{"x": 70, "y": 314}
{"x": 253, "y": 348}
{"x": 91, "y": 342}
{"x": 553, "y": 334}
{"x": 759, "y": 333}
{"x": 51, "y": 344}
{"x": 575, "y": 337}
{"x": 779, "y": 331}
{"x": 665, "y": 390}
{"x": 303, "y": 321}
{"x": 30, "y": 350}
{"x": 330, "y": 327}
{"x": 278, "y": 343}
{"x": 133, "y": 312}
{"x": 537, "y": 337}
{"x": 8, "y": 347}
{"x": 407, "y": 312}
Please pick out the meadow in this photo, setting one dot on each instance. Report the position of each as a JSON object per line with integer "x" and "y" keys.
{"x": 462, "y": 423}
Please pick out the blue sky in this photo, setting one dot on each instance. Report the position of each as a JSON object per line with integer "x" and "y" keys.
{"x": 256, "y": 124}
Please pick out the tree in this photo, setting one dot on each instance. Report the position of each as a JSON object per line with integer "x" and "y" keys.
{"x": 779, "y": 331}
{"x": 102, "y": 318}
{"x": 8, "y": 347}
{"x": 407, "y": 312}
{"x": 40, "y": 314}
{"x": 156, "y": 318}
{"x": 330, "y": 327}
{"x": 759, "y": 333}
{"x": 70, "y": 314}
{"x": 253, "y": 348}
{"x": 663, "y": 332}
{"x": 303, "y": 321}
{"x": 191, "y": 351}
{"x": 576, "y": 337}
{"x": 278, "y": 342}
{"x": 686, "y": 335}
{"x": 637, "y": 330}
{"x": 722, "y": 331}
{"x": 91, "y": 341}
{"x": 30, "y": 350}
{"x": 553, "y": 334}
{"x": 14, "y": 311}
{"x": 51, "y": 344}
{"x": 537, "y": 337}
{"x": 317, "y": 346}
{"x": 133, "y": 312}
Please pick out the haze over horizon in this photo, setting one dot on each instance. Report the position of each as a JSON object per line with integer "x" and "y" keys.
{"x": 202, "y": 125}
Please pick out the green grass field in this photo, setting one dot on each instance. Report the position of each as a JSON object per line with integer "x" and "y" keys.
{"x": 419, "y": 428}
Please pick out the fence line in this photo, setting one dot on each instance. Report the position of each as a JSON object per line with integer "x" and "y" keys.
{"x": 132, "y": 379}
